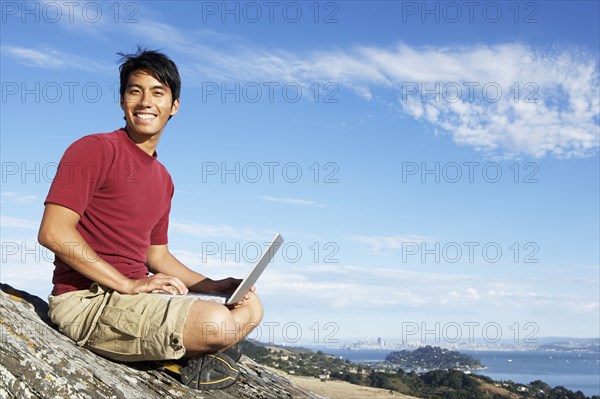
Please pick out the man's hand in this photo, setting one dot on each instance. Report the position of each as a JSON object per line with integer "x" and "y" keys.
{"x": 229, "y": 285}
{"x": 159, "y": 281}
{"x": 224, "y": 286}
{"x": 246, "y": 297}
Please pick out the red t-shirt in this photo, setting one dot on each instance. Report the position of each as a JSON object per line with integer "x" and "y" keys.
{"x": 123, "y": 196}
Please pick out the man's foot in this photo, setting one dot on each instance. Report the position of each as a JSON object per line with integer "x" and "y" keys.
{"x": 213, "y": 371}
{"x": 235, "y": 352}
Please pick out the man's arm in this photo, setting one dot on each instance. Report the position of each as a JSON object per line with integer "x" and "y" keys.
{"x": 161, "y": 260}
{"x": 58, "y": 233}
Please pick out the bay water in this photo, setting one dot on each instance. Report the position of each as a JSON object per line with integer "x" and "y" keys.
{"x": 577, "y": 371}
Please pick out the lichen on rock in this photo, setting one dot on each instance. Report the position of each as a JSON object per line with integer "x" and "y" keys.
{"x": 37, "y": 361}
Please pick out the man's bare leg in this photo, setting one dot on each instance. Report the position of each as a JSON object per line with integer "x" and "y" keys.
{"x": 212, "y": 327}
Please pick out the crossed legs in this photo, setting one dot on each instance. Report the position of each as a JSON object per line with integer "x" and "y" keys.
{"x": 211, "y": 327}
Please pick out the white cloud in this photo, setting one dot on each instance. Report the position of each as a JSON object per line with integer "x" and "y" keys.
{"x": 18, "y": 223}
{"x": 197, "y": 259}
{"x": 335, "y": 290}
{"x": 506, "y": 100}
{"x": 469, "y": 295}
{"x": 223, "y": 230}
{"x": 291, "y": 201}
{"x": 43, "y": 59}
{"x": 548, "y": 103}
{"x": 378, "y": 243}
{"x": 23, "y": 198}
{"x": 35, "y": 278}
{"x": 358, "y": 287}
{"x": 341, "y": 288}
{"x": 492, "y": 106}
{"x": 26, "y": 264}
{"x": 48, "y": 58}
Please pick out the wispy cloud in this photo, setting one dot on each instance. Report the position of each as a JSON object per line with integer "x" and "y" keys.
{"x": 35, "y": 278}
{"x": 48, "y": 58}
{"x": 23, "y": 198}
{"x": 337, "y": 291}
{"x": 364, "y": 287}
{"x": 378, "y": 243}
{"x": 18, "y": 223}
{"x": 203, "y": 260}
{"x": 506, "y": 100}
{"x": 470, "y": 295}
{"x": 291, "y": 201}
{"x": 208, "y": 231}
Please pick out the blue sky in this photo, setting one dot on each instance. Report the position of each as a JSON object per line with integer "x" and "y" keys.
{"x": 429, "y": 165}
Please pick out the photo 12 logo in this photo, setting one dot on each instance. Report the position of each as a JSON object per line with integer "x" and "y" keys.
{"x": 468, "y": 331}
{"x": 26, "y": 252}
{"x": 269, "y": 172}
{"x": 70, "y": 11}
{"x": 468, "y": 92}
{"x": 469, "y": 172}
{"x": 290, "y": 251}
{"x": 53, "y": 92}
{"x": 468, "y": 251}
{"x": 453, "y": 12}
{"x": 33, "y": 252}
{"x": 254, "y": 92}
{"x": 292, "y": 332}
{"x": 37, "y": 172}
{"x": 252, "y": 12}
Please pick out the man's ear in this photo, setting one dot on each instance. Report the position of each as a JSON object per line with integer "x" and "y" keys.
{"x": 174, "y": 107}
{"x": 122, "y": 103}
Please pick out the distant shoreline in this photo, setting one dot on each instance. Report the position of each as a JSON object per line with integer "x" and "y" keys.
{"x": 550, "y": 374}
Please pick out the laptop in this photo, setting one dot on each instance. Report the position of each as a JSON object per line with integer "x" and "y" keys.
{"x": 246, "y": 284}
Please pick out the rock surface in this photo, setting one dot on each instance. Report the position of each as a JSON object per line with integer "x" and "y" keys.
{"x": 36, "y": 361}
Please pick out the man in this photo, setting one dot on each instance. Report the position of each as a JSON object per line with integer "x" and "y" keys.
{"x": 106, "y": 219}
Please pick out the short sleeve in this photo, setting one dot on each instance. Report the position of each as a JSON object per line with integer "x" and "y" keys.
{"x": 80, "y": 173}
{"x": 160, "y": 232}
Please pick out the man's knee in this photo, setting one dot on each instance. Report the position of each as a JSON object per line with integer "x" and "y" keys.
{"x": 209, "y": 328}
{"x": 221, "y": 331}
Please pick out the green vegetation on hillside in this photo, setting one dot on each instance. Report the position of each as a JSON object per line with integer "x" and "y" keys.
{"x": 433, "y": 358}
{"x": 436, "y": 384}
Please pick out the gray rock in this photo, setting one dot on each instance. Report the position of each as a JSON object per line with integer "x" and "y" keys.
{"x": 36, "y": 361}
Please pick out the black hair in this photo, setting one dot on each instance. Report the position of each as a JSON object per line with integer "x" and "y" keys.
{"x": 153, "y": 62}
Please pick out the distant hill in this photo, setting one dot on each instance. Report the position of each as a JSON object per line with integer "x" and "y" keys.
{"x": 570, "y": 344}
{"x": 442, "y": 383}
{"x": 433, "y": 358}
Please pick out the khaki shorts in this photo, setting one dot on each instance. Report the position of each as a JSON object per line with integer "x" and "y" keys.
{"x": 122, "y": 327}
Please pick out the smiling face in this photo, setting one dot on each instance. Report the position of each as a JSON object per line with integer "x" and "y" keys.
{"x": 147, "y": 104}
